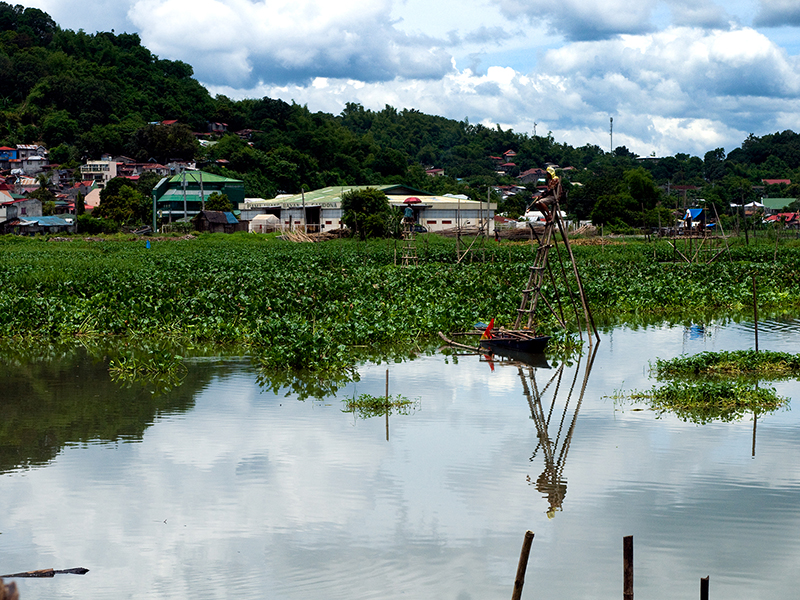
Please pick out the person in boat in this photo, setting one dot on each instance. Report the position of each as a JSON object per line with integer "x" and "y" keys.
{"x": 552, "y": 197}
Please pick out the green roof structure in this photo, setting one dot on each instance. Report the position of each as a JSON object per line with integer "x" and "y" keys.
{"x": 334, "y": 193}
{"x": 194, "y": 187}
{"x": 777, "y": 204}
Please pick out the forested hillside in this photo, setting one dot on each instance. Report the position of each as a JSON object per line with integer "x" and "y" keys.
{"x": 87, "y": 94}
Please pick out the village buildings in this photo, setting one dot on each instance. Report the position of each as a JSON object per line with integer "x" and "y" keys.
{"x": 321, "y": 210}
{"x": 182, "y": 191}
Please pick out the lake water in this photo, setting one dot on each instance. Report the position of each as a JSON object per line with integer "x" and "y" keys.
{"x": 222, "y": 488}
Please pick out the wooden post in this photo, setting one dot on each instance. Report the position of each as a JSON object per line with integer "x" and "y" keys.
{"x": 8, "y": 592}
{"x": 755, "y": 311}
{"x": 704, "y": 588}
{"x": 387, "y": 405}
{"x": 627, "y": 567}
{"x": 519, "y": 581}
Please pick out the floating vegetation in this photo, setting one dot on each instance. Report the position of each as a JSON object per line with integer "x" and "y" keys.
{"x": 763, "y": 364}
{"x": 307, "y": 306}
{"x": 366, "y": 405}
{"x": 159, "y": 366}
{"x": 705, "y": 401}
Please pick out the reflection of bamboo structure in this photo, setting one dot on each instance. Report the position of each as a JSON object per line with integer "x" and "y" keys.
{"x": 554, "y": 449}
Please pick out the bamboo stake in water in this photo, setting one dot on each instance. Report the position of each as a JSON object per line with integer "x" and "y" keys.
{"x": 755, "y": 311}
{"x": 387, "y": 405}
{"x": 627, "y": 567}
{"x": 519, "y": 581}
{"x": 704, "y": 588}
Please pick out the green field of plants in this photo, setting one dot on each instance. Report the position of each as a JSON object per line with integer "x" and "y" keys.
{"x": 309, "y": 305}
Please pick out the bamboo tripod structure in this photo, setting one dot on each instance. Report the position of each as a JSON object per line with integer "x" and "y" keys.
{"x": 707, "y": 245}
{"x": 542, "y": 268}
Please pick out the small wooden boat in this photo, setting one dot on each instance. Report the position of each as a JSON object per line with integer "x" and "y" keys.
{"x": 517, "y": 341}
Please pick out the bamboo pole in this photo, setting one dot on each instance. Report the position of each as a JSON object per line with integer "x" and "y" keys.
{"x": 627, "y": 567}
{"x": 387, "y": 405}
{"x": 590, "y": 328}
{"x": 704, "y": 588}
{"x": 755, "y": 311}
{"x": 725, "y": 239}
{"x": 519, "y": 580}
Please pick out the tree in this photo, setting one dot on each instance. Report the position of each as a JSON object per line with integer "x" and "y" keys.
{"x": 367, "y": 212}
{"x": 122, "y": 203}
{"x": 147, "y": 181}
{"x": 163, "y": 142}
{"x": 714, "y": 164}
{"x": 217, "y": 201}
{"x": 642, "y": 187}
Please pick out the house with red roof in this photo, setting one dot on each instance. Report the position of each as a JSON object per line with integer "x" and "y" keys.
{"x": 532, "y": 175}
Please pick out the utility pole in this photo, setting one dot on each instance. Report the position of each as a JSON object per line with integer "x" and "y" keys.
{"x": 183, "y": 184}
{"x": 303, "y": 194}
{"x": 611, "y": 133}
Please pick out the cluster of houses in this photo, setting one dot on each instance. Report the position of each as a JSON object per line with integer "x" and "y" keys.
{"x": 182, "y": 191}
{"x": 25, "y": 168}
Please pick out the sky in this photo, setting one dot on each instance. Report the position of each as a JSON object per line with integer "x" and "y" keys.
{"x": 674, "y": 75}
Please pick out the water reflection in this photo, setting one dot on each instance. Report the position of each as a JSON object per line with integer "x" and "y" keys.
{"x": 249, "y": 493}
{"x": 55, "y": 395}
{"x": 554, "y": 447}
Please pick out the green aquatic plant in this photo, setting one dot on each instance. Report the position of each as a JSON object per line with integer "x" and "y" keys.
{"x": 763, "y": 364}
{"x": 701, "y": 402}
{"x": 367, "y": 406}
{"x": 705, "y": 401}
{"x": 306, "y": 306}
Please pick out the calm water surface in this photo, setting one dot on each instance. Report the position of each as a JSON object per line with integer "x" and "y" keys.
{"x": 224, "y": 489}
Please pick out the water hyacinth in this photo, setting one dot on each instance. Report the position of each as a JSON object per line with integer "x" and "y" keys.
{"x": 308, "y": 305}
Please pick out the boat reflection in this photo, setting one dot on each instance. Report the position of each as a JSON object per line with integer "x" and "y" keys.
{"x": 555, "y": 424}
{"x": 509, "y": 356}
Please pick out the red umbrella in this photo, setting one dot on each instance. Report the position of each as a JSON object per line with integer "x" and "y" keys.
{"x": 411, "y": 200}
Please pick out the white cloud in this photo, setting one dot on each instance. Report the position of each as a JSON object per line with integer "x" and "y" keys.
{"x": 698, "y": 13}
{"x": 242, "y": 42}
{"x": 778, "y": 13}
{"x": 585, "y": 19}
{"x": 675, "y": 74}
{"x": 679, "y": 90}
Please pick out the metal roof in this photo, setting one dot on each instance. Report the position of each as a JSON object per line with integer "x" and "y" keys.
{"x": 777, "y": 203}
{"x": 44, "y": 221}
{"x": 195, "y": 177}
